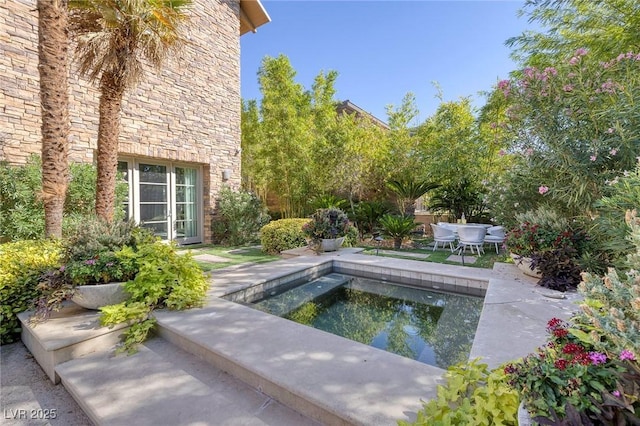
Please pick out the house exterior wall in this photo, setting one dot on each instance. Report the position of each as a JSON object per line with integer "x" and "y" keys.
{"x": 188, "y": 112}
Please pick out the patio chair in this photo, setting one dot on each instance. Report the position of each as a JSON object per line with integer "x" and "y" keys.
{"x": 442, "y": 235}
{"x": 495, "y": 235}
{"x": 471, "y": 236}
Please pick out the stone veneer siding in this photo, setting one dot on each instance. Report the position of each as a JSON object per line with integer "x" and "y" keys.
{"x": 189, "y": 112}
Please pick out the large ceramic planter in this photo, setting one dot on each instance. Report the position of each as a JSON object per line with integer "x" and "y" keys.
{"x": 524, "y": 418}
{"x": 524, "y": 264}
{"x": 99, "y": 295}
{"x": 331, "y": 244}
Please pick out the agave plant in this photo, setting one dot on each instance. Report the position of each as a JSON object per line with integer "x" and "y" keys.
{"x": 398, "y": 227}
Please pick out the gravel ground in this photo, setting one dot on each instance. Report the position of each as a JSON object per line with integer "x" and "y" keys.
{"x": 28, "y": 397}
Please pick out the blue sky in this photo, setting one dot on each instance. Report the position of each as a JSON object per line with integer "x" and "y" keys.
{"x": 384, "y": 49}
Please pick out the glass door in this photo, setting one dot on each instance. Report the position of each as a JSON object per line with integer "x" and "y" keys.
{"x": 186, "y": 222}
{"x": 153, "y": 200}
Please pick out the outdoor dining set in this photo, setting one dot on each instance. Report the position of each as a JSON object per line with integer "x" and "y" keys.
{"x": 472, "y": 235}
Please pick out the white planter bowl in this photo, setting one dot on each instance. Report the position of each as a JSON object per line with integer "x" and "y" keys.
{"x": 332, "y": 244}
{"x": 99, "y": 295}
{"x": 524, "y": 264}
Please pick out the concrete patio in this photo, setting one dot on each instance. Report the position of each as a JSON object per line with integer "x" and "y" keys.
{"x": 230, "y": 364}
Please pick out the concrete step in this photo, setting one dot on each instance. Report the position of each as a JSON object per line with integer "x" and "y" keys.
{"x": 70, "y": 333}
{"x": 164, "y": 385}
{"x": 325, "y": 377}
{"x": 287, "y": 302}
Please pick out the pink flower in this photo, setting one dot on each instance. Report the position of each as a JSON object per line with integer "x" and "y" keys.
{"x": 574, "y": 60}
{"x": 611, "y": 130}
{"x": 626, "y": 354}
{"x": 543, "y": 190}
{"x": 593, "y": 158}
{"x": 581, "y": 52}
{"x": 568, "y": 87}
{"x": 613, "y": 151}
{"x": 597, "y": 358}
{"x": 502, "y": 153}
{"x": 616, "y": 393}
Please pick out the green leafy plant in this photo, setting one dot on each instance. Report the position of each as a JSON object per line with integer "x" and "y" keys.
{"x": 368, "y": 214}
{"x": 283, "y": 234}
{"x": 21, "y": 264}
{"x": 472, "y": 395}
{"x": 398, "y": 227}
{"x": 328, "y": 201}
{"x": 21, "y": 208}
{"x": 166, "y": 279}
{"x": 240, "y": 215}
{"x": 407, "y": 191}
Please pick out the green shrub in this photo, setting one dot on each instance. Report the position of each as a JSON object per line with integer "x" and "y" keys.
{"x": 93, "y": 236}
{"x": 21, "y": 264}
{"x": 240, "y": 217}
{"x": 283, "y": 234}
{"x": 166, "y": 279}
{"x": 472, "y": 395}
{"x": 21, "y": 207}
{"x": 398, "y": 227}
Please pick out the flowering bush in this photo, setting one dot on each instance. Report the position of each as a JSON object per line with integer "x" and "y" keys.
{"x": 564, "y": 371}
{"x": 538, "y": 230}
{"x": 573, "y": 129}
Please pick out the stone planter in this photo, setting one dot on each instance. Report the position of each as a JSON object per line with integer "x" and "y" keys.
{"x": 331, "y": 244}
{"x": 99, "y": 295}
{"x": 524, "y": 418}
{"x": 524, "y": 264}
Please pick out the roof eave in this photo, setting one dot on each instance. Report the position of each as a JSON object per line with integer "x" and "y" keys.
{"x": 252, "y": 15}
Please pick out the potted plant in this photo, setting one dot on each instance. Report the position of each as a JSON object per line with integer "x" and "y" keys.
{"x": 327, "y": 229}
{"x": 98, "y": 259}
{"x": 398, "y": 227}
{"x": 537, "y": 232}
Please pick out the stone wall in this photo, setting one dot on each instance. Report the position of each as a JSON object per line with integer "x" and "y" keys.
{"x": 188, "y": 112}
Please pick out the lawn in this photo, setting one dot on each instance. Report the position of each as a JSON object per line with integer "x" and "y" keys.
{"x": 440, "y": 255}
{"x": 235, "y": 255}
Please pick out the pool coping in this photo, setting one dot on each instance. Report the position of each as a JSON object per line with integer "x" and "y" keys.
{"x": 361, "y": 384}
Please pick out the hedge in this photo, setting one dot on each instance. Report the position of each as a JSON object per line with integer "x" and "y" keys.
{"x": 283, "y": 234}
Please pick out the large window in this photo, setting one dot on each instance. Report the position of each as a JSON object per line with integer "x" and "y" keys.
{"x": 165, "y": 197}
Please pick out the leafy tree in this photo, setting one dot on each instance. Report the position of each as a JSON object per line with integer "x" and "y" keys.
{"x": 285, "y": 135}
{"x": 457, "y": 159}
{"x": 405, "y": 157}
{"x": 53, "y": 68}
{"x": 603, "y": 27}
{"x": 114, "y": 41}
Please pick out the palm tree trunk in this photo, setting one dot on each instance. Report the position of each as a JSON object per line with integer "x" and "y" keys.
{"x": 111, "y": 94}
{"x": 53, "y": 43}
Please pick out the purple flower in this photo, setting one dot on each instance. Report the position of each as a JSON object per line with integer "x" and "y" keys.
{"x": 616, "y": 393}
{"x": 543, "y": 190}
{"x": 593, "y": 158}
{"x": 581, "y": 52}
{"x": 613, "y": 151}
{"x": 62, "y": 268}
{"x": 568, "y": 87}
{"x": 574, "y": 60}
{"x": 611, "y": 130}
{"x": 597, "y": 358}
{"x": 90, "y": 262}
{"x": 627, "y": 354}
{"x": 502, "y": 153}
